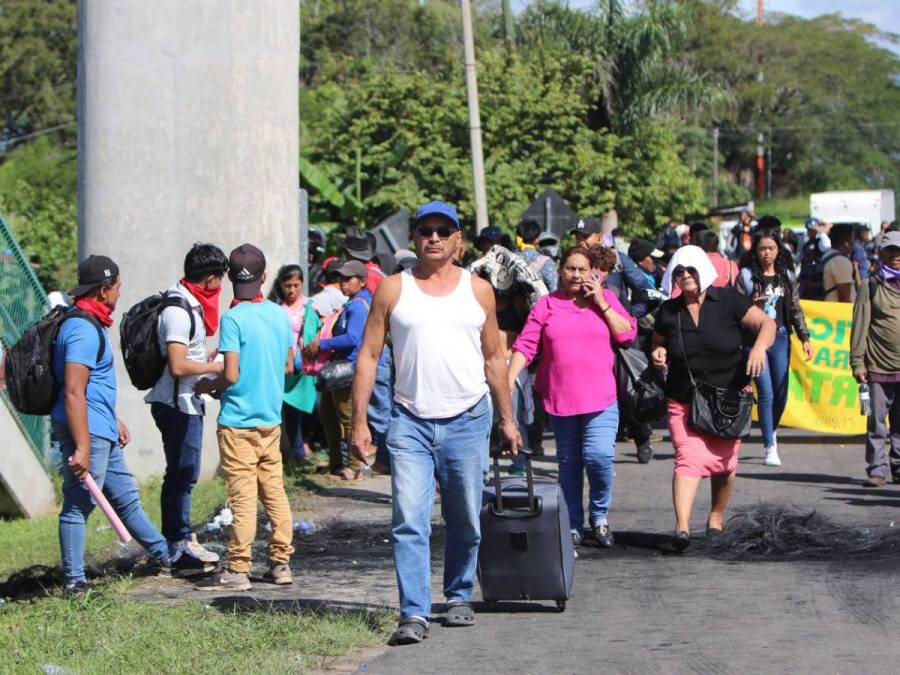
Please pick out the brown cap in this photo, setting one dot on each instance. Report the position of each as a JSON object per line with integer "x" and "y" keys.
{"x": 353, "y": 268}
{"x": 246, "y": 265}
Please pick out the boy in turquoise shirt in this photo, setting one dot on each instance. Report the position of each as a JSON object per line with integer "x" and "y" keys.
{"x": 256, "y": 342}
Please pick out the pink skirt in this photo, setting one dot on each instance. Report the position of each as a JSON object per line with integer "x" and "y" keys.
{"x": 698, "y": 455}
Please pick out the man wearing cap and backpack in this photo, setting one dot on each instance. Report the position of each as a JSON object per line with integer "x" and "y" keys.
{"x": 257, "y": 344}
{"x": 182, "y": 331}
{"x": 448, "y": 357}
{"x": 85, "y": 424}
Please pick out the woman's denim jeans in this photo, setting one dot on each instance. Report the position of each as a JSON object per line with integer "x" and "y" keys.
{"x": 587, "y": 442}
{"x": 772, "y": 386}
{"x": 453, "y": 451}
{"x": 109, "y": 470}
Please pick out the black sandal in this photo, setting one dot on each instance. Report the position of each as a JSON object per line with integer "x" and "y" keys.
{"x": 460, "y": 614}
{"x": 411, "y": 630}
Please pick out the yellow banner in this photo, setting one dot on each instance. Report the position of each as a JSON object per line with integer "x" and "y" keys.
{"x": 822, "y": 394}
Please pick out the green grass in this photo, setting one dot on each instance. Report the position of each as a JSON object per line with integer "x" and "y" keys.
{"x": 790, "y": 210}
{"x": 106, "y": 632}
{"x": 35, "y": 542}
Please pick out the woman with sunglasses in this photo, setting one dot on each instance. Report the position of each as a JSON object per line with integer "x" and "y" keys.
{"x": 699, "y": 336}
{"x": 772, "y": 286}
{"x": 573, "y": 330}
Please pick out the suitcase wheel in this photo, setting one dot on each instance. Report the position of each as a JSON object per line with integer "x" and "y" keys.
{"x": 491, "y": 604}
{"x": 560, "y": 605}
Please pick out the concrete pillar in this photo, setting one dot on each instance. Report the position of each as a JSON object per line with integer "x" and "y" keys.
{"x": 188, "y": 131}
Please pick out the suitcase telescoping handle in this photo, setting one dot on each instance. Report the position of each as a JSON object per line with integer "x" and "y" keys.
{"x": 533, "y": 507}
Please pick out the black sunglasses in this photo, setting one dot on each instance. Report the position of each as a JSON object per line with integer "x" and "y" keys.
{"x": 679, "y": 271}
{"x": 444, "y": 231}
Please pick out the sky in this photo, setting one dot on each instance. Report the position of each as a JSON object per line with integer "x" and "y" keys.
{"x": 883, "y": 13}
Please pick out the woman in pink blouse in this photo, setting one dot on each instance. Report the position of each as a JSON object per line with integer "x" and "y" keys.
{"x": 572, "y": 330}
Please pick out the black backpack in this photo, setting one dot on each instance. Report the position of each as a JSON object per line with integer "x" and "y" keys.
{"x": 30, "y": 382}
{"x": 139, "y": 338}
{"x": 812, "y": 271}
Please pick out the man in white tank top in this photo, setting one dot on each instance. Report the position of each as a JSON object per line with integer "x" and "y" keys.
{"x": 448, "y": 356}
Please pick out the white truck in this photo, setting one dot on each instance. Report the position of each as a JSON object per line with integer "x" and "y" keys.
{"x": 859, "y": 207}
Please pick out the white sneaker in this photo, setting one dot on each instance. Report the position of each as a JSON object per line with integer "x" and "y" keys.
{"x": 772, "y": 458}
{"x": 191, "y": 547}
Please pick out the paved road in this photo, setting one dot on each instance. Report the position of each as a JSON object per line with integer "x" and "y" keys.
{"x": 633, "y": 610}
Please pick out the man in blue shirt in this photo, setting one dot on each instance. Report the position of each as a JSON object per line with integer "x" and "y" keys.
{"x": 257, "y": 343}
{"x": 85, "y": 425}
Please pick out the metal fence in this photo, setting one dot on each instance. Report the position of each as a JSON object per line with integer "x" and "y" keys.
{"x": 22, "y": 302}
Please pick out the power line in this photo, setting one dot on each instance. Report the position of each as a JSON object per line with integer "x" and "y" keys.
{"x": 5, "y": 144}
{"x": 749, "y": 129}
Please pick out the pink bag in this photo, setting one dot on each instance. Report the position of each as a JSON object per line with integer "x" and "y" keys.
{"x": 323, "y": 355}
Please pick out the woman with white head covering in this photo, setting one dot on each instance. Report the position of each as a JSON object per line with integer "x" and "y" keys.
{"x": 699, "y": 336}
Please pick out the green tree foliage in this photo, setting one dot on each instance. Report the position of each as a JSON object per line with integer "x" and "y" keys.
{"x": 412, "y": 131}
{"x": 38, "y": 199}
{"x": 637, "y": 69}
{"x": 338, "y": 37}
{"x": 827, "y": 99}
{"x": 37, "y": 66}
{"x": 613, "y": 107}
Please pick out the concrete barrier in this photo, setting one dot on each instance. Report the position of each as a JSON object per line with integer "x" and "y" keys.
{"x": 25, "y": 488}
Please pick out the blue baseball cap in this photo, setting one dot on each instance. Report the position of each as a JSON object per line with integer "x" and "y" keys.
{"x": 812, "y": 222}
{"x": 437, "y": 208}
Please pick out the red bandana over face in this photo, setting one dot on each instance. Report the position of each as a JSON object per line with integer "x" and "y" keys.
{"x": 209, "y": 303}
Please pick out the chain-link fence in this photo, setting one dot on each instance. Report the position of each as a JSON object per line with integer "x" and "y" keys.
{"x": 22, "y": 302}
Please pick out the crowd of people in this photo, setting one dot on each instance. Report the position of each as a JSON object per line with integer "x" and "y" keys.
{"x": 415, "y": 364}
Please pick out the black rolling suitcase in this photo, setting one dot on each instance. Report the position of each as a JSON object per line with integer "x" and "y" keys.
{"x": 526, "y": 550}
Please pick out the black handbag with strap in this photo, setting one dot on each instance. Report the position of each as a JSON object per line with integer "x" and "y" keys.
{"x": 724, "y": 412}
{"x": 336, "y": 374}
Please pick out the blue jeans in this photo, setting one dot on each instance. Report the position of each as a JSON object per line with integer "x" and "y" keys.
{"x": 292, "y": 420}
{"x": 772, "y": 386}
{"x": 380, "y": 405}
{"x": 109, "y": 470}
{"x": 452, "y": 450}
{"x": 587, "y": 442}
{"x": 182, "y": 438}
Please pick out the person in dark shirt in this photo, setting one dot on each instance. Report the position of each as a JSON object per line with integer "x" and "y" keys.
{"x": 700, "y": 336}
{"x": 772, "y": 286}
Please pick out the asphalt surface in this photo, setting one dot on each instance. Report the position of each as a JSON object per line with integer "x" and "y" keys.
{"x": 636, "y": 610}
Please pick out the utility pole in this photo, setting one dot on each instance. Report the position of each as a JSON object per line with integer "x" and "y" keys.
{"x": 481, "y": 214}
{"x": 715, "y": 168}
{"x": 508, "y": 26}
{"x": 760, "y": 166}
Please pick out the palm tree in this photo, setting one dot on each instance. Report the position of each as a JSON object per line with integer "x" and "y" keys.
{"x": 637, "y": 74}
